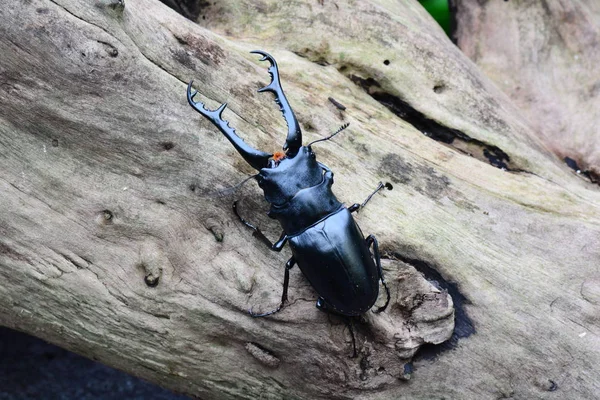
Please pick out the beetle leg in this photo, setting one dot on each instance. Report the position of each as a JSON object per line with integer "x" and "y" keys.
{"x": 372, "y": 241}
{"x": 257, "y": 233}
{"x": 379, "y": 187}
{"x": 286, "y": 281}
{"x": 321, "y": 305}
{"x": 356, "y": 207}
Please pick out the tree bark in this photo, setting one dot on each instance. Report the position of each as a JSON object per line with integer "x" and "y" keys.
{"x": 117, "y": 239}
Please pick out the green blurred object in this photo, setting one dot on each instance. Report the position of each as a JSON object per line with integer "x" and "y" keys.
{"x": 440, "y": 11}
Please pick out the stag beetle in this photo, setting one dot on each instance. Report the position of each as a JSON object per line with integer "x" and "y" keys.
{"x": 326, "y": 242}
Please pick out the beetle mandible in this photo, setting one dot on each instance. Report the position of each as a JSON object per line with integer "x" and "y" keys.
{"x": 326, "y": 243}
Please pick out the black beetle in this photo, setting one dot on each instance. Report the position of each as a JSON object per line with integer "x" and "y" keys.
{"x": 326, "y": 242}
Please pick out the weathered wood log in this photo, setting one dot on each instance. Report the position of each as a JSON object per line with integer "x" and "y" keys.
{"x": 117, "y": 240}
{"x": 544, "y": 55}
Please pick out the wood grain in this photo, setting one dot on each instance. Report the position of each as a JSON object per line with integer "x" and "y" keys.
{"x": 108, "y": 180}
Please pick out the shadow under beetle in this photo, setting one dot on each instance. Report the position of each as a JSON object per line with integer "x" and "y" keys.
{"x": 326, "y": 242}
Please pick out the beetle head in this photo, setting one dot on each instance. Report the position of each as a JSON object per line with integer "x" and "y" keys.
{"x": 283, "y": 178}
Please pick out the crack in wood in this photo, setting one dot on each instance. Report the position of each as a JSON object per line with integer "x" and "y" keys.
{"x": 83, "y": 20}
{"x": 454, "y": 138}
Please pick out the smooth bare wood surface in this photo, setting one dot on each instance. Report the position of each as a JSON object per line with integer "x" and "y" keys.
{"x": 110, "y": 181}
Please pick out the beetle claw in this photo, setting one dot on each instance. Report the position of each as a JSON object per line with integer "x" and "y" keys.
{"x": 294, "y": 137}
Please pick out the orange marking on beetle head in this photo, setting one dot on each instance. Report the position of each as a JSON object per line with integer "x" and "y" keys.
{"x": 278, "y": 156}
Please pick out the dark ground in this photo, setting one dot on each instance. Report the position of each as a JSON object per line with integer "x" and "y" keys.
{"x": 31, "y": 369}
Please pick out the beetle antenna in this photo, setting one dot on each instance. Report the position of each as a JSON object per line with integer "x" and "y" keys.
{"x": 332, "y": 135}
{"x": 232, "y": 189}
